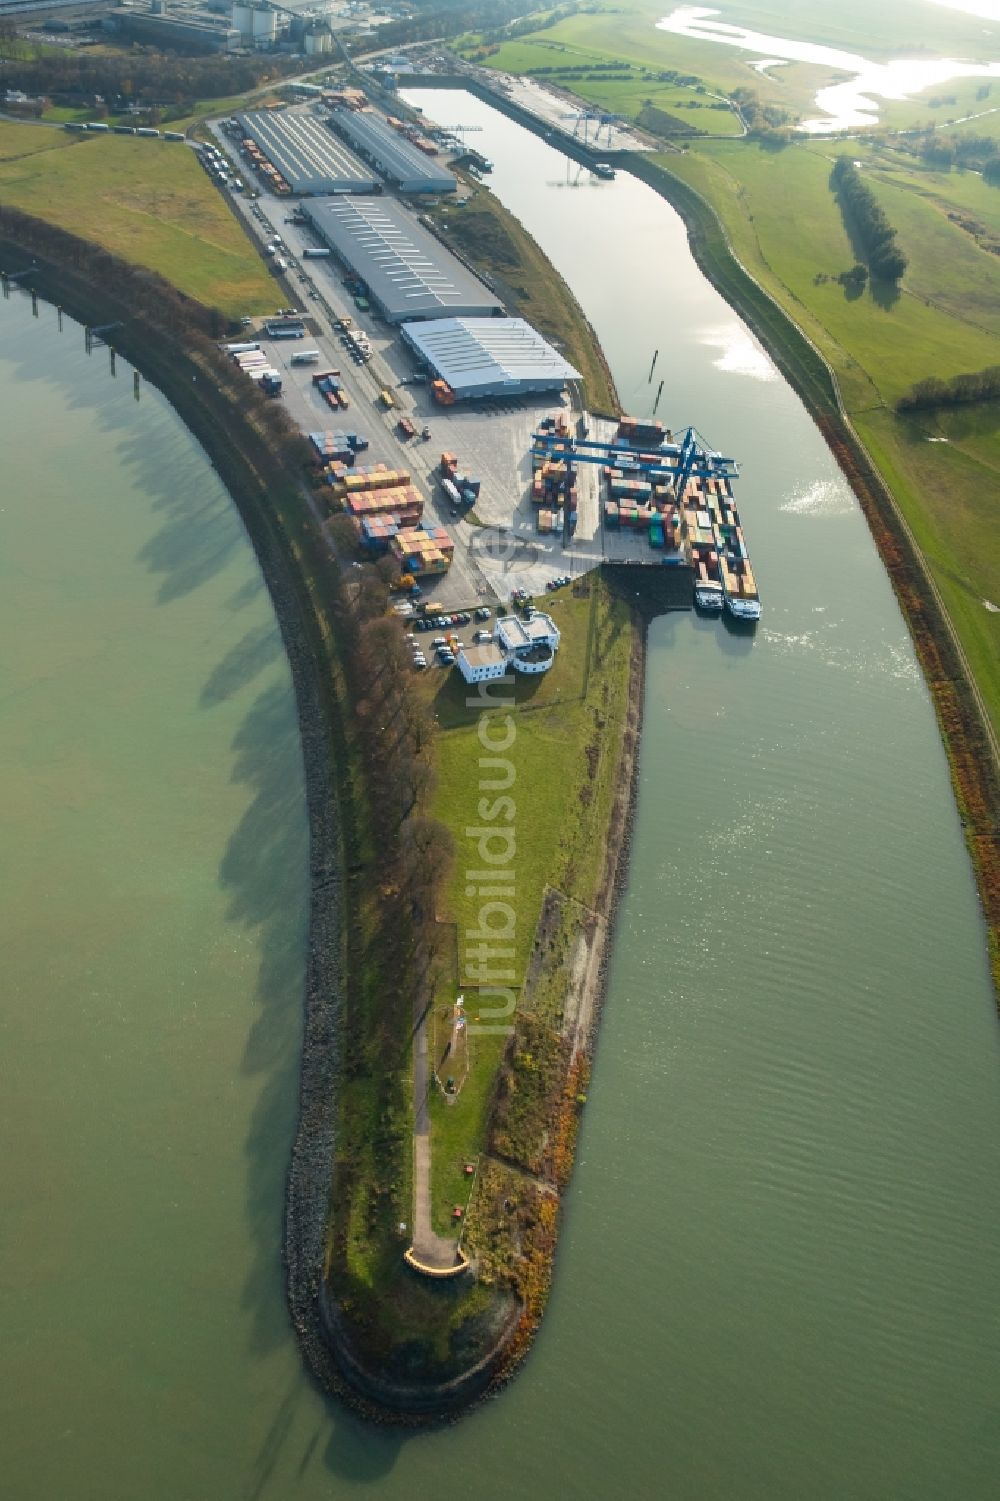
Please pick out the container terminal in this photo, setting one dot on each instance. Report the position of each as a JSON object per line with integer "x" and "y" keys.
{"x": 449, "y": 433}
{"x": 677, "y": 493}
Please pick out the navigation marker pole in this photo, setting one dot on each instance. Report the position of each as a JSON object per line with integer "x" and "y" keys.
{"x": 652, "y": 367}
{"x": 135, "y": 384}
{"x": 659, "y": 393}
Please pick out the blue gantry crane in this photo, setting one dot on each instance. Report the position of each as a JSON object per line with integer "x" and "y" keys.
{"x": 691, "y": 458}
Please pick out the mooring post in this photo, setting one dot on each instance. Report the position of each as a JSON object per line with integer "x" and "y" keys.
{"x": 59, "y": 318}
{"x": 112, "y": 360}
{"x": 34, "y": 303}
{"x": 135, "y": 384}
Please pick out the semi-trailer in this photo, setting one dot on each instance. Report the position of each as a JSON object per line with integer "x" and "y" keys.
{"x": 315, "y": 253}
{"x": 305, "y": 357}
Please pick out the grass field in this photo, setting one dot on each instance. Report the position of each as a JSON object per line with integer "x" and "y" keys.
{"x": 566, "y": 733}
{"x": 146, "y": 200}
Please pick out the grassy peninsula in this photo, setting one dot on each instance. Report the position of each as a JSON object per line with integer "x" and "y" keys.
{"x": 394, "y": 766}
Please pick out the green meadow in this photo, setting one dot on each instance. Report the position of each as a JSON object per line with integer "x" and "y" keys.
{"x": 565, "y": 731}
{"x": 146, "y": 200}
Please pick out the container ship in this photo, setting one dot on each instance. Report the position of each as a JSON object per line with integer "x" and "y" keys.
{"x": 723, "y": 577}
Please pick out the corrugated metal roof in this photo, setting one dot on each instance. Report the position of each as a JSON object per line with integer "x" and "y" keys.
{"x": 491, "y": 353}
{"x": 307, "y": 154}
{"x": 401, "y": 162}
{"x": 408, "y": 271}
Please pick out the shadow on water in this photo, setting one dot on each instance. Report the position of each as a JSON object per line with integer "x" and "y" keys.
{"x": 197, "y": 537}
{"x": 265, "y": 872}
{"x": 258, "y": 649}
{"x": 362, "y": 1454}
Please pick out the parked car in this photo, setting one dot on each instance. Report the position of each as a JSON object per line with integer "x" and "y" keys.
{"x": 482, "y": 636}
{"x": 483, "y": 613}
{"x": 439, "y": 642}
{"x": 464, "y": 618}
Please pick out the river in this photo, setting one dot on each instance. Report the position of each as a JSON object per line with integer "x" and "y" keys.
{"x": 849, "y": 105}
{"x": 778, "y": 1267}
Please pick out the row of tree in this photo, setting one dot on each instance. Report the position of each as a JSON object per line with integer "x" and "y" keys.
{"x": 961, "y": 390}
{"x": 960, "y": 149}
{"x": 141, "y": 75}
{"x": 866, "y": 222}
{"x": 489, "y": 18}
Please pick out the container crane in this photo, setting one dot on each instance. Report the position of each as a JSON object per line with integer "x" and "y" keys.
{"x": 677, "y": 462}
{"x": 585, "y": 117}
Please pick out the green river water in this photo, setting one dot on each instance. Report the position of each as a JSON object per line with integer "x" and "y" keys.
{"x": 781, "y": 1249}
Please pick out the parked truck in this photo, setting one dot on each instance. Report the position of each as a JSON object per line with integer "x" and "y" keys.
{"x": 406, "y": 427}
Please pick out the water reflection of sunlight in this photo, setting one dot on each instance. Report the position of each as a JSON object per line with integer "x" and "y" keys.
{"x": 846, "y": 104}
{"x": 739, "y": 353}
{"x": 825, "y": 497}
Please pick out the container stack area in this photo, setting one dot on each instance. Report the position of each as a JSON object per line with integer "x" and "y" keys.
{"x": 337, "y": 448}
{"x": 674, "y": 494}
{"x": 553, "y": 481}
{"x": 636, "y": 497}
{"x": 386, "y": 510}
{"x": 421, "y": 550}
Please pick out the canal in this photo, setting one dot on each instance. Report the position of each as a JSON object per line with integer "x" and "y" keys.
{"x": 780, "y": 1253}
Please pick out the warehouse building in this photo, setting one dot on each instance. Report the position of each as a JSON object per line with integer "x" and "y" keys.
{"x": 390, "y": 153}
{"x": 408, "y": 273}
{"x": 480, "y": 357}
{"x": 307, "y": 153}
